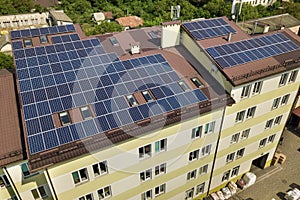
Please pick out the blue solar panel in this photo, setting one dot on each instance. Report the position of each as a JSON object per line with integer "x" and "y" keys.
{"x": 17, "y": 45}
{"x": 208, "y": 28}
{"x": 238, "y": 53}
{"x": 36, "y": 143}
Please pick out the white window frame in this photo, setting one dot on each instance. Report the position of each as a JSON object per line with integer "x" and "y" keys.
{"x": 160, "y": 146}
{"x": 285, "y": 99}
{"x": 245, "y": 134}
{"x": 293, "y": 76}
{"x": 147, "y": 195}
{"x": 226, "y": 176}
{"x": 200, "y": 188}
{"x": 230, "y": 157}
{"x": 191, "y": 175}
{"x": 83, "y": 109}
{"x": 131, "y": 100}
{"x": 38, "y": 192}
{"x": 197, "y": 132}
{"x": 235, "y": 171}
{"x": 63, "y": 114}
{"x": 147, "y": 96}
{"x": 246, "y": 91}
{"x": 235, "y": 138}
{"x": 146, "y": 175}
{"x": 240, "y": 153}
{"x": 271, "y": 138}
{"x": 257, "y": 87}
{"x": 276, "y": 103}
{"x": 97, "y": 166}
{"x": 85, "y": 197}
{"x": 194, "y": 155}
{"x": 104, "y": 192}
{"x": 143, "y": 153}
{"x": 283, "y": 79}
{"x": 197, "y": 82}
{"x": 251, "y": 112}
{"x": 262, "y": 143}
{"x": 159, "y": 190}
{"x": 277, "y": 120}
{"x": 206, "y": 150}
{"x": 240, "y": 116}
{"x": 5, "y": 181}
{"x": 160, "y": 169}
{"x": 209, "y": 128}
{"x": 81, "y": 180}
{"x": 269, "y": 124}
{"x": 203, "y": 169}
{"x": 189, "y": 194}
{"x": 183, "y": 85}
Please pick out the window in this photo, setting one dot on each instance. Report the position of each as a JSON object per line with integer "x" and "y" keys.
{"x": 240, "y": 116}
{"x": 27, "y": 43}
{"x": 257, "y": 87}
{"x": 64, "y": 118}
{"x": 80, "y": 176}
{"x": 183, "y": 85}
{"x": 160, "y": 169}
{"x": 200, "y": 188}
{"x": 271, "y": 138}
{"x": 209, "y": 127}
{"x": 25, "y": 169}
{"x": 87, "y": 197}
{"x": 39, "y": 193}
{"x": 245, "y": 91}
{"x": 197, "y": 82}
{"x": 43, "y": 39}
{"x": 276, "y": 103}
{"x": 226, "y": 176}
{"x": 230, "y": 157}
{"x": 269, "y": 124}
{"x": 251, "y": 112}
{"x": 145, "y": 151}
{"x": 235, "y": 138}
{"x": 194, "y": 155}
{"x": 263, "y": 142}
{"x": 245, "y": 134}
{"x": 147, "y": 195}
{"x": 283, "y": 79}
{"x": 86, "y": 112}
{"x": 191, "y": 174}
{"x": 277, "y": 120}
{"x": 235, "y": 171}
{"x": 148, "y": 97}
{"x": 197, "y": 132}
{"x": 131, "y": 100}
{"x": 240, "y": 153}
{"x": 14, "y": 197}
{"x": 206, "y": 150}
{"x": 293, "y": 76}
{"x": 114, "y": 41}
{"x": 100, "y": 168}
{"x": 4, "y": 181}
{"x": 161, "y": 145}
{"x": 146, "y": 175}
{"x": 189, "y": 194}
{"x": 285, "y": 99}
{"x": 203, "y": 169}
{"x": 104, "y": 192}
{"x": 160, "y": 189}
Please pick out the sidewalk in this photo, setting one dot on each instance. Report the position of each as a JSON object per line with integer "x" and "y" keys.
{"x": 275, "y": 181}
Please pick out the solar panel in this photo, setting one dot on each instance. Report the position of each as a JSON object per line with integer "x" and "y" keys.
{"x": 229, "y": 55}
{"x": 72, "y": 73}
{"x": 208, "y": 28}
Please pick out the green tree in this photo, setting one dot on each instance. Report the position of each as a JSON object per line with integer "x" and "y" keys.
{"x": 106, "y": 27}
{"x": 6, "y": 61}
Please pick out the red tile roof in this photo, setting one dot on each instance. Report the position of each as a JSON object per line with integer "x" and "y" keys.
{"x": 130, "y": 21}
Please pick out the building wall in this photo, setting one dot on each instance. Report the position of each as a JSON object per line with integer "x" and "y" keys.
{"x": 23, "y": 20}
{"x": 124, "y": 164}
{"x": 170, "y": 35}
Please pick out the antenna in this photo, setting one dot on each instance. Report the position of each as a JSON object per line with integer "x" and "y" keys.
{"x": 175, "y": 12}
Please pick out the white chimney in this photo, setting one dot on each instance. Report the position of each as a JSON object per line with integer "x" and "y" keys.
{"x": 229, "y": 37}
{"x": 135, "y": 48}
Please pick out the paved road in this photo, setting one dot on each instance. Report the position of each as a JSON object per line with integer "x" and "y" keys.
{"x": 277, "y": 180}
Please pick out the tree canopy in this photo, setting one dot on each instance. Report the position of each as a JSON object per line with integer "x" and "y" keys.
{"x": 6, "y": 61}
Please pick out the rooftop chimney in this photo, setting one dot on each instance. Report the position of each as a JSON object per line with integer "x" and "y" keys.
{"x": 135, "y": 48}
{"x": 229, "y": 37}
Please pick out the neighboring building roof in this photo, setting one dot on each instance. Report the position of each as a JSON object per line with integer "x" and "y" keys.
{"x": 10, "y": 136}
{"x": 275, "y": 23}
{"x": 253, "y": 69}
{"x": 110, "y": 78}
{"x": 108, "y": 15}
{"x": 99, "y": 16}
{"x": 130, "y": 21}
{"x": 171, "y": 23}
{"x": 59, "y": 15}
{"x": 296, "y": 111}
{"x": 46, "y": 3}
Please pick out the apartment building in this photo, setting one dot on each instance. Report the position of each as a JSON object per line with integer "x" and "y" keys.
{"x": 174, "y": 123}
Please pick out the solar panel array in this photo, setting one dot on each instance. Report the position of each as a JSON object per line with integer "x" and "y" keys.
{"x": 27, "y": 33}
{"x": 75, "y": 73}
{"x": 245, "y": 51}
{"x": 208, "y": 28}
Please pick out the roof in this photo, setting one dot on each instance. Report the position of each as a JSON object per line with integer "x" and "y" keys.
{"x": 46, "y": 3}
{"x": 99, "y": 16}
{"x": 130, "y": 21}
{"x": 10, "y": 135}
{"x": 103, "y": 80}
{"x": 296, "y": 111}
{"x": 275, "y": 23}
{"x": 60, "y": 16}
{"x": 108, "y": 15}
{"x": 251, "y": 69}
